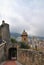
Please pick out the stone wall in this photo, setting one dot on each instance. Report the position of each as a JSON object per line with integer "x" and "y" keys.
{"x": 30, "y": 57}
{"x": 2, "y": 52}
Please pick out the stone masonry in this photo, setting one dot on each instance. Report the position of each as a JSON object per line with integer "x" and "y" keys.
{"x": 2, "y": 52}
{"x": 30, "y": 57}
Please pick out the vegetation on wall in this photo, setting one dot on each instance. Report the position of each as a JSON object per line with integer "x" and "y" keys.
{"x": 24, "y": 45}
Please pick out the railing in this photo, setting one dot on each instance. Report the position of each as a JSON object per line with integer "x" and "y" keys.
{"x": 30, "y": 57}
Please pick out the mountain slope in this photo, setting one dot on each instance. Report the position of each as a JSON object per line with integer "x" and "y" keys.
{"x": 16, "y": 35}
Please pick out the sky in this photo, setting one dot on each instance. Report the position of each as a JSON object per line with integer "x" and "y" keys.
{"x": 23, "y": 14}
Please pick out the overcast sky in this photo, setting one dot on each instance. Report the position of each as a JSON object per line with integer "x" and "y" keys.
{"x": 23, "y": 14}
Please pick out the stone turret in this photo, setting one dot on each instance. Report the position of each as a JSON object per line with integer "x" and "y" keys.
{"x": 0, "y": 35}
{"x": 5, "y": 32}
{"x": 24, "y": 37}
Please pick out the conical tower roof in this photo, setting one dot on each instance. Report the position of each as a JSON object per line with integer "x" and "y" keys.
{"x": 24, "y": 33}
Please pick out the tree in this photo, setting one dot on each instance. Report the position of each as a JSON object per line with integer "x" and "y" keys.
{"x": 13, "y": 40}
{"x": 24, "y": 45}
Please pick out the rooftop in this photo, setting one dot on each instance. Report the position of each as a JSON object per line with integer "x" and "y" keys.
{"x": 24, "y": 33}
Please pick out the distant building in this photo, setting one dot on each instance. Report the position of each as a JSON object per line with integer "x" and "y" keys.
{"x": 24, "y": 37}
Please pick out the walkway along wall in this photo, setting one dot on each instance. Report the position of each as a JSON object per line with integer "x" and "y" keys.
{"x": 30, "y": 57}
{"x": 2, "y": 52}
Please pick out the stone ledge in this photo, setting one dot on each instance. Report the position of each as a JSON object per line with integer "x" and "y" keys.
{"x": 18, "y": 63}
{"x": 2, "y": 44}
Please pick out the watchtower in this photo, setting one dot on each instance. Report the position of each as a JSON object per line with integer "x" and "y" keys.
{"x": 5, "y": 32}
{"x": 24, "y": 37}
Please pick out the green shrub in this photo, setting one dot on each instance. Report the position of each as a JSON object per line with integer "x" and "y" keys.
{"x": 13, "y": 40}
{"x": 24, "y": 45}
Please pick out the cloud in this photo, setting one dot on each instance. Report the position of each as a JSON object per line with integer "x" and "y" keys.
{"x": 23, "y": 14}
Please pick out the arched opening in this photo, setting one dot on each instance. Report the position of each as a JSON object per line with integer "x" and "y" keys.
{"x": 12, "y": 53}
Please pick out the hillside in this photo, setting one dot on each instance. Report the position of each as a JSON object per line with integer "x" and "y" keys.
{"x": 16, "y": 35}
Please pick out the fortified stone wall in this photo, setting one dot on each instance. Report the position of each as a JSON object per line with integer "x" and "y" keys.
{"x": 30, "y": 57}
{"x": 2, "y": 52}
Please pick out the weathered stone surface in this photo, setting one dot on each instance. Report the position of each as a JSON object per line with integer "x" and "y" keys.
{"x": 5, "y": 32}
{"x": 2, "y": 52}
{"x": 28, "y": 57}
